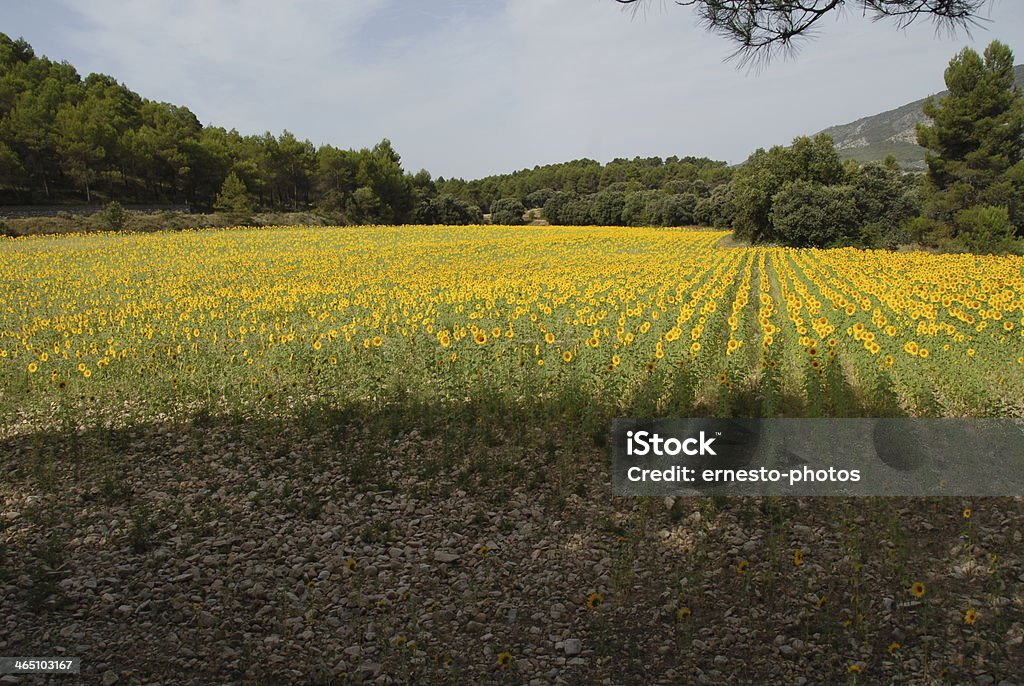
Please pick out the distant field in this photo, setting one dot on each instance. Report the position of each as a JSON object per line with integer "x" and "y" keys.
{"x": 648, "y": 321}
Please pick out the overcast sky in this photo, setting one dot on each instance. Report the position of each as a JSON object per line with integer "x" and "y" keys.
{"x": 474, "y": 87}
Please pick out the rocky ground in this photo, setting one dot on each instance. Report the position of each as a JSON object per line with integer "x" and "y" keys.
{"x": 213, "y": 553}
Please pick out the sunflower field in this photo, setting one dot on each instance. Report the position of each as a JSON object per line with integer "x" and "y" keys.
{"x": 613, "y": 320}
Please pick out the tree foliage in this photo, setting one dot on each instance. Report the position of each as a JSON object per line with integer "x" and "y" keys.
{"x": 234, "y": 198}
{"x": 803, "y": 195}
{"x": 767, "y": 172}
{"x": 446, "y": 209}
{"x": 65, "y": 139}
{"x": 508, "y": 211}
{"x": 975, "y": 146}
{"x": 809, "y": 214}
{"x": 760, "y": 28}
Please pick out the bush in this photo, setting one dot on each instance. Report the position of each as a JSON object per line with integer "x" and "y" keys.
{"x": 985, "y": 229}
{"x": 114, "y": 217}
{"x": 808, "y": 214}
{"x": 9, "y": 231}
{"x": 557, "y": 206}
{"x": 538, "y": 198}
{"x": 675, "y": 210}
{"x": 234, "y": 199}
{"x": 507, "y": 212}
{"x": 717, "y": 209}
{"x": 641, "y": 208}
{"x": 606, "y": 208}
{"x": 926, "y": 231}
{"x": 446, "y": 209}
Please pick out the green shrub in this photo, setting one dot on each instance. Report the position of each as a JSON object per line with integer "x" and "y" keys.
{"x": 9, "y": 231}
{"x": 114, "y": 217}
{"x": 234, "y": 199}
{"x": 809, "y": 214}
{"x": 507, "y": 211}
{"x": 985, "y": 229}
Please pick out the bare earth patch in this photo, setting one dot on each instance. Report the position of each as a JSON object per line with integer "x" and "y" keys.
{"x": 220, "y": 552}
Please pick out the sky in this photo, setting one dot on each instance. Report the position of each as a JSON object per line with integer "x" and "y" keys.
{"x": 466, "y": 88}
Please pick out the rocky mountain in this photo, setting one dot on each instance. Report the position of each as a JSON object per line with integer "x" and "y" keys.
{"x": 893, "y": 132}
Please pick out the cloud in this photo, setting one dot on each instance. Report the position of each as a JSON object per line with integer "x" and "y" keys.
{"x": 234, "y": 62}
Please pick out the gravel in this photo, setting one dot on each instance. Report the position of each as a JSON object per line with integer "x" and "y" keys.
{"x": 217, "y": 556}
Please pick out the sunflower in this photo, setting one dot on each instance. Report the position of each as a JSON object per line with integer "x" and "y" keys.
{"x": 549, "y": 338}
{"x": 967, "y": 513}
{"x": 33, "y": 367}
{"x": 854, "y": 669}
{"x": 917, "y": 589}
{"x": 798, "y": 557}
{"x": 683, "y": 613}
{"x": 971, "y": 616}
{"x": 893, "y": 647}
{"x": 594, "y": 600}
{"x": 741, "y": 568}
{"x": 480, "y": 337}
{"x": 567, "y": 356}
{"x": 505, "y": 659}
{"x": 351, "y": 564}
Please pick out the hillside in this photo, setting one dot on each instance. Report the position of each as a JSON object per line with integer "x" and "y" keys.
{"x": 893, "y": 132}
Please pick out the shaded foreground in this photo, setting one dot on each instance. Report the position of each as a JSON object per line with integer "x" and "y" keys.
{"x": 347, "y": 546}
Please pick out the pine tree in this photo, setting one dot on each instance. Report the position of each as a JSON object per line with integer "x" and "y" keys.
{"x": 234, "y": 199}
{"x": 975, "y": 148}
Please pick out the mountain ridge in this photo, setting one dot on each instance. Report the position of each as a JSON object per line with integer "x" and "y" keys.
{"x": 892, "y": 132}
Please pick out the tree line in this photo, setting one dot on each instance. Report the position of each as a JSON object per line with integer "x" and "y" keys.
{"x": 64, "y": 138}
{"x": 68, "y": 139}
{"x": 624, "y": 192}
{"x": 970, "y": 199}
